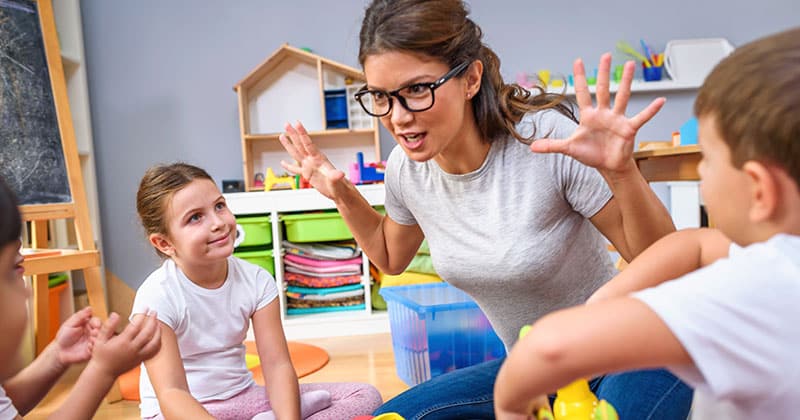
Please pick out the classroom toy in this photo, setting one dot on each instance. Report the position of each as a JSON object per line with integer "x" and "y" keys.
{"x": 688, "y": 132}
{"x": 258, "y": 180}
{"x": 366, "y": 174}
{"x": 384, "y": 416}
{"x": 575, "y": 401}
{"x": 271, "y": 181}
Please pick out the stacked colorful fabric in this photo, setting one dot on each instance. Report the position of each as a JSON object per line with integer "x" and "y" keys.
{"x": 322, "y": 277}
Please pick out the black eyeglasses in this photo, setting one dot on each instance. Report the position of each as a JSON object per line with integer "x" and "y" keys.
{"x": 414, "y": 98}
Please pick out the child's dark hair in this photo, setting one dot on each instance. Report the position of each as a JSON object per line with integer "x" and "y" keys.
{"x": 442, "y": 29}
{"x": 157, "y": 186}
{"x": 754, "y": 95}
{"x": 10, "y": 218}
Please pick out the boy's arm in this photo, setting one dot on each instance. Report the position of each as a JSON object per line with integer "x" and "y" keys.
{"x": 168, "y": 378}
{"x": 71, "y": 345}
{"x": 279, "y": 374}
{"x": 668, "y": 258}
{"x": 111, "y": 356}
{"x": 584, "y": 341}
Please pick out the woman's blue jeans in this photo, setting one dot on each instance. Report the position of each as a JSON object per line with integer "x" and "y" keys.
{"x": 467, "y": 394}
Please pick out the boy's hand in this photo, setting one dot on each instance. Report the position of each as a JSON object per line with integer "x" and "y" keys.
{"x": 75, "y": 338}
{"x": 138, "y": 342}
{"x": 605, "y": 137}
{"x": 536, "y": 409}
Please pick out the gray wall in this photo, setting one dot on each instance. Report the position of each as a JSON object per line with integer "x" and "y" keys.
{"x": 161, "y": 73}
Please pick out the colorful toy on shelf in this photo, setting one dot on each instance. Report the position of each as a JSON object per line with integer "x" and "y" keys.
{"x": 366, "y": 174}
{"x": 301, "y": 182}
{"x": 258, "y": 180}
{"x": 575, "y": 401}
{"x": 272, "y": 181}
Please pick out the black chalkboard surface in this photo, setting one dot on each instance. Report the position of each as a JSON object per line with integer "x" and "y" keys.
{"x": 31, "y": 153}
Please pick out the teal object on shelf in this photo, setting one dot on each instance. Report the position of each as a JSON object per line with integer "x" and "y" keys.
{"x": 689, "y": 132}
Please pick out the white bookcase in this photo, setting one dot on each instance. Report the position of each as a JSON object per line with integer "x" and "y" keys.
{"x": 275, "y": 203}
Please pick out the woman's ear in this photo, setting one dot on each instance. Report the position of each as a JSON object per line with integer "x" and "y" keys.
{"x": 162, "y": 243}
{"x": 765, "y": 191}
{"x": 473, "y": 78}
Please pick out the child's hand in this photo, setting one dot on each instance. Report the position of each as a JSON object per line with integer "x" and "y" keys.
{"x": 605, "y": 137}
{"x": 536, "y": 409}
{"x": 75, "y": 338}
{"x": 138, "y": 342}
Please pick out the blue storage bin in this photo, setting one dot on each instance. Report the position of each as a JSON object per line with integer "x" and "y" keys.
{"x": 437, "y": 328}
{"x": 335, "y": 108}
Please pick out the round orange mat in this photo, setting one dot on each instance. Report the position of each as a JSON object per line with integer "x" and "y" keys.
{"x": 306, "y": 360}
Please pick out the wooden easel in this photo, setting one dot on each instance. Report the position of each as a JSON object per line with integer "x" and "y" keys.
{"x": 86, "y": 257}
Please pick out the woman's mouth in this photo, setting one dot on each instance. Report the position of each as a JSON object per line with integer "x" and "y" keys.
{"x": 413, "y": 141}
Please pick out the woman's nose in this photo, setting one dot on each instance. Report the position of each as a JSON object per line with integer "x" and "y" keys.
{"x": 400, "y": 115}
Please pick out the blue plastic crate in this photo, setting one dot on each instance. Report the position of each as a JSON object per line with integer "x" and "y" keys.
{"x": 437, "y": 328}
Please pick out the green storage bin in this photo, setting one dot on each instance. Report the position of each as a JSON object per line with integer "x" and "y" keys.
{"x": 315, "y": 227}
{"x": 260, "y": 257}
{"x": 257, "y": 230}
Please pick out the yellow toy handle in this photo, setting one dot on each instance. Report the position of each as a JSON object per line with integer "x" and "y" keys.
{"x": 575, "y": 401}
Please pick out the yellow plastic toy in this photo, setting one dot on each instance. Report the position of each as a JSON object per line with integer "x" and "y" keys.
{"x": 271, "y": 181}
{"x": 575, "y": 401}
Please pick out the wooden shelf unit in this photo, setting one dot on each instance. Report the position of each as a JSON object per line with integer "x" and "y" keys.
{"x": 291, "y": 85}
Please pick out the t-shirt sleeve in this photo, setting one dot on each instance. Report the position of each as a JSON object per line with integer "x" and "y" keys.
{"x": 153, "y": 297}
{"x": 729, "y": 324}
{"x": 394, "y": 203}
{"x": 7, "y": 409}
{"x": 267, "y": 290}
{"x": 583, "y": 187}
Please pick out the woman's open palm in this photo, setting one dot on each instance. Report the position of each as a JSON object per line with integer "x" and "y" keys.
{"x": 605, "y": 137}
{"x": 309, "y": 163}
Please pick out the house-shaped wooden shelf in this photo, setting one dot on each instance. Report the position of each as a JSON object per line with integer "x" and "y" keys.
{"x": 291, "y": 85}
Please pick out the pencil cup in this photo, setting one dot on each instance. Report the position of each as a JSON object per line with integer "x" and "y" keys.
{"x": 652, "y": 73}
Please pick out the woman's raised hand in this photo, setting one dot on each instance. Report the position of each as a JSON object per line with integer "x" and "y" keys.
{"x": 310, "y": 163}
{"x": 605, "y": 137}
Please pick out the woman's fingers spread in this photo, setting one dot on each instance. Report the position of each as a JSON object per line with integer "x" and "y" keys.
{"x": 603, "y": 88}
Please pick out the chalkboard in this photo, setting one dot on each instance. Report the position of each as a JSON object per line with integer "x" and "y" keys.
{"x": 31, "y": 152}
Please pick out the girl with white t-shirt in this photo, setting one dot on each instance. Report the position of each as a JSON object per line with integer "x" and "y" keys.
{"x": 205, "y": 299}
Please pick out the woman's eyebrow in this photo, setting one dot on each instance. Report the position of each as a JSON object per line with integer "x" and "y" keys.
{"x": 412, "y": 81}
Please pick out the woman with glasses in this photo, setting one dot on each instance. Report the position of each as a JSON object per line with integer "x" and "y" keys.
{"x": 511, "y": 223}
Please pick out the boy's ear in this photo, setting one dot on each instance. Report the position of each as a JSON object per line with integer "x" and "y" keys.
{"x": 765, "y": 192}
{"x": 162, "y": 243}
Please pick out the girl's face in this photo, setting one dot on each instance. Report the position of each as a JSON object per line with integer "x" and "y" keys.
{"x": 13, "y": 307}
{"x": 201, "y": 228}
{"x": 447, "y": 125}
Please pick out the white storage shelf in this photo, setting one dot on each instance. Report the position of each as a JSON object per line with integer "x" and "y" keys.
{"x": 636, "y": 86}
{"x": 328, "y": 324}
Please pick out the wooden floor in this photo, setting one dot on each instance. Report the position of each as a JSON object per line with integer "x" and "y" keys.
{"x": 364, "y": 358}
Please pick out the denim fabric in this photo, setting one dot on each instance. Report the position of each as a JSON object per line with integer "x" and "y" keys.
{"x": 467, "y": 394}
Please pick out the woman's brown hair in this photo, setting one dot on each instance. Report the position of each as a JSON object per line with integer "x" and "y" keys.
{"x": 157, "y": 186}
{"x": 441, "y": 29}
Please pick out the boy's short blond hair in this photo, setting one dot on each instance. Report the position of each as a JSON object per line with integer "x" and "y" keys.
{"x": 754, "y": 95}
